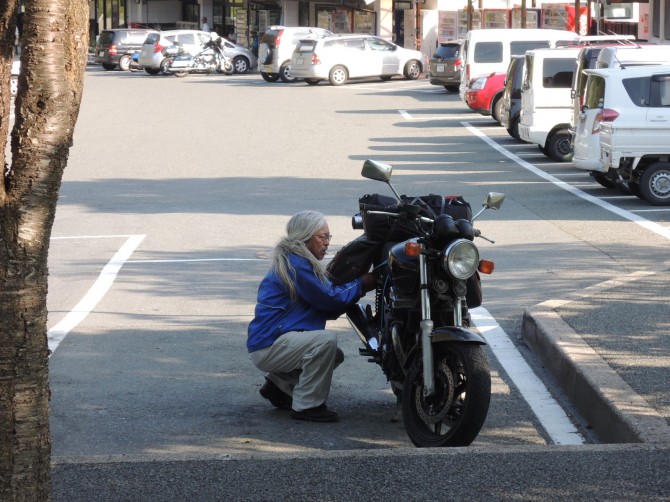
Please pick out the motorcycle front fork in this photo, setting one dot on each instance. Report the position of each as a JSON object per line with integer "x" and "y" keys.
{"x": 426, "y": 326}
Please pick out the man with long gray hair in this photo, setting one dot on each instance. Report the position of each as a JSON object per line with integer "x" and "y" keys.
{"x": 287, "y": 337}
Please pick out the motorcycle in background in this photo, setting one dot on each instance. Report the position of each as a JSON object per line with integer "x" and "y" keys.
{"x": 211, "y": 58}
{"x": 418, "y": 331}
{"x": 130, "y": 61}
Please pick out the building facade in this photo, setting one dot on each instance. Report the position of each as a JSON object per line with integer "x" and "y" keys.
{"x": 410, "y": 23}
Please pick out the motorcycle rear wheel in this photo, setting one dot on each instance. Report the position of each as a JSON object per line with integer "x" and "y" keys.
{"x": 456, "y": 413}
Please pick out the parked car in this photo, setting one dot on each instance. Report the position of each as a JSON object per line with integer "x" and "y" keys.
{"x": 546, "y": 105}
{"x": 276, "y": 49}
{"x": 484, "y": 94}
{"x": 14, "y": 83}
{"x": 588, "y": 59}
{"x": 587, "y": 119}
{"x": 112, "y": 44}
{"x": 634, "y": 138}
{"x": 338, "y": 58}
{"x": 486, "y": 51}
{"x": 510, "y": 110}
{"x": 445, "y": 66}
{"x": 155, "y": 59}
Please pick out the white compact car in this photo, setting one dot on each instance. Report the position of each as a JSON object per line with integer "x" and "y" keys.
{"x": 339, "y": 58}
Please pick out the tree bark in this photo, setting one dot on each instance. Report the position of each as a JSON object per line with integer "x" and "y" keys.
{"x": 53, "y": 60}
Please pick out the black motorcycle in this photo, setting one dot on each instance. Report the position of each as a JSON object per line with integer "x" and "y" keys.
{"x": 418, "y": 330}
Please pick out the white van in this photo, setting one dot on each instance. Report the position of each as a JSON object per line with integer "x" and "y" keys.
{"x": 546, "y": 105}
{"x": 588, "y": 118}
{"x": 485, "y": 51}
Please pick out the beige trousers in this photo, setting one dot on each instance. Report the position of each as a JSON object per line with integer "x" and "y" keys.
{"x": 301, "y": 364}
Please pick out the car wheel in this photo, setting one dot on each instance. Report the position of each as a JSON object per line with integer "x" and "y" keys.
{"x": 559, "y": 146}
{"x": 124, "y": 63}
{"x": 270, "y": 77}
{"x": 241, "y": 64}
{"x": 14, "y": 88}
{"x": 338, "y": 75}
{"x": 655, "y": 184}
{"x": 285, "y": 73}
{"x": 412, "y": 70}
{"x": 312, "y": 81}
{"x": 496, "y": 110}
{"x": 451, "y": 88}
{"x": 152, "y": 71}
{"x": 165, "y": 66}
{"x": 265, "y": 54}
{"x": 108, "y": 66}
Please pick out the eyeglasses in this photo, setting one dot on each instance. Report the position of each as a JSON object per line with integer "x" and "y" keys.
{"x": 324, "y": 238}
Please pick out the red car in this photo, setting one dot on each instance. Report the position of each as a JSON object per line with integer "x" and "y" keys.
{"x": 484, "y": 94}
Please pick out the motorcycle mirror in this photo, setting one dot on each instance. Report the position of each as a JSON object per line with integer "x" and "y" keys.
{"x": 494, "y": 200}
{"x": 377, "y": 171}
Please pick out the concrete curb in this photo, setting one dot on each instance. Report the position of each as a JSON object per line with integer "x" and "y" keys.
{"x": 614, "y": 410}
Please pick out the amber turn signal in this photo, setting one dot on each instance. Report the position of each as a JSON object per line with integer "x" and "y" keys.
{"x": 486, "y": 266}
{"x": 412, "y": 249}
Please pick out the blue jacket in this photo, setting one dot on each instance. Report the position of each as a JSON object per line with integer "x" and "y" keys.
{"x": 317, "y": 302}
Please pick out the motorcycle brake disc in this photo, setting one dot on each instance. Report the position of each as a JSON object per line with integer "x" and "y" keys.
{"x": 434, "y": 409}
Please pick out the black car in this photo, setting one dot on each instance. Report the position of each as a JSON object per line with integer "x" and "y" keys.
{"x": 445, "y": 66}
{"x": 112, "y": 44}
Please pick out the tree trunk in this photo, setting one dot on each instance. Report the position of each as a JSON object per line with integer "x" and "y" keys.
{"x": 53, "y": 60}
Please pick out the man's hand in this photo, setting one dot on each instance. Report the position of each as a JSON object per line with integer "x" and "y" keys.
{"x": 369, "y": 281}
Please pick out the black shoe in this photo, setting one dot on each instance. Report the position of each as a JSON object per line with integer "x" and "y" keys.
{"x": 276, "y": 396}
{"x": 318, "y": 414}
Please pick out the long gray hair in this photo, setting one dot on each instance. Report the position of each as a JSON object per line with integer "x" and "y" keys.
{"x": 299, "y": 229}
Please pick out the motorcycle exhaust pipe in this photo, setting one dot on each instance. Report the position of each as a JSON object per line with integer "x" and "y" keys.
{"x": 359, "y": 321}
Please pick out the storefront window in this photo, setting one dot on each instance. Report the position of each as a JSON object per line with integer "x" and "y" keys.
{"x": 342, "y": 20}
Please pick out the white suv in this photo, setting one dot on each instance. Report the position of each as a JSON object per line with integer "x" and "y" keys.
{"x": 341, "y": 57}
{"x": 629, "y": 108}
{"x": 276, "y": 47}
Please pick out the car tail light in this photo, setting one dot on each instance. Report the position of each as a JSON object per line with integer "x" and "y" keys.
{"x": 458, "y": 64}
{"x": 467, "y": 73}
{"x": 279, "y": 34}
{"x": 315, "y": 58}
{"x": 158, "y": 47}
{"x": 604, "y": 115}
{"x": 112, "y": 50}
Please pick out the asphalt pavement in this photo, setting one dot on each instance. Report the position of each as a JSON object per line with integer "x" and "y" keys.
{"x": 606, "y": 346}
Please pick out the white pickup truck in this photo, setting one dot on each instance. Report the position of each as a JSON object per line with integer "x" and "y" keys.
{"x": 635, "y": 137}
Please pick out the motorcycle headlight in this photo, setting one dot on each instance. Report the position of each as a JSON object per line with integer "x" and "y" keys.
{"x": 461, "y": 259}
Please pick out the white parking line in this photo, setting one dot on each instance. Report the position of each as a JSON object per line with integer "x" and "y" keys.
{"x": 100, "y": 287}
{"x": 550, "y": 414}
{"x": 628, "y": 215}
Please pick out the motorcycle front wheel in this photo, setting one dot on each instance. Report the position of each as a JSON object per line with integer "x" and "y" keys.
{"x": 455, "y": 414}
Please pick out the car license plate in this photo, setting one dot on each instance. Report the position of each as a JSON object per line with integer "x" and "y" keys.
{"x": 101, "y": 53}
{"x": 439, "y": 68}
{"x": 299, "y": 60}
